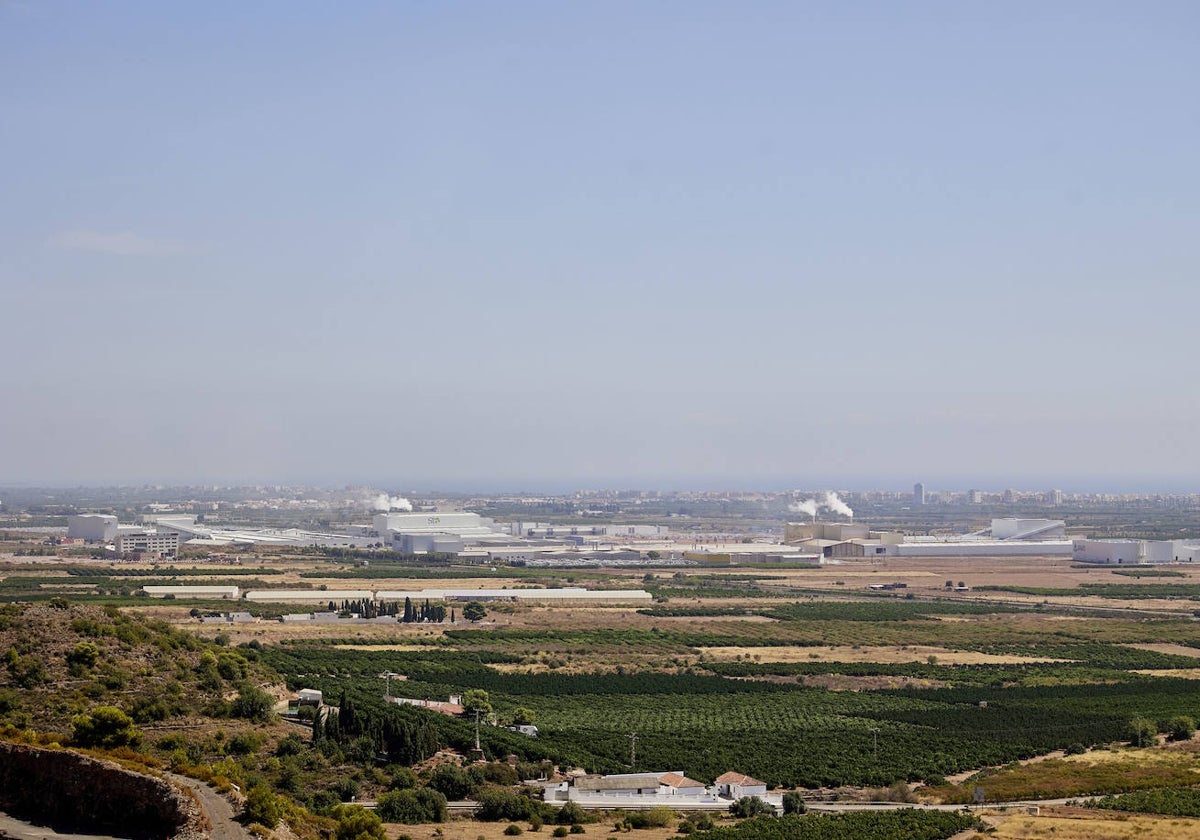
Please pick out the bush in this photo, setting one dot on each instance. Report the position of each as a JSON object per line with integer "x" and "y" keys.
{"x": 451, "y": 782}
{"x": 1142, "y": 732}
{"x": 412, "y": 806}
{"x": 357, "y": 823}
{"x": 1181, "y": 728}
{"x": 346, "y": 789}
{"x": 245, "y": 743}
{"x": 83, "y": 656}
{"x": 495, "y": 772}
{"x": 751, "y": 806}
{"x": 105, "y": 726}
{"x": 262, "y": 807}
{"x": 793, "y": 803}
{"x": 403, "y": 779}
{"x": 656, "y": 817}
{"x": 571, "y": 814}
{"x": 291, "y": 744}
{"x": 561, "y": 831}
{"x": 252, "y": 703}
{"x": 497, "y": 803}
{"x": 513, "y": 830}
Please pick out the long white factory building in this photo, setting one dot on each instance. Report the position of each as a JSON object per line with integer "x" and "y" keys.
{"x": 563, "y": 595}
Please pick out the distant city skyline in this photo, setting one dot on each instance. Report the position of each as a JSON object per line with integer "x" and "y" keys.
{"x": 549, "y": 245}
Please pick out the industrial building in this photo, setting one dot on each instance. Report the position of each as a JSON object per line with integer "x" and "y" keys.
{"x": 412, "y": 533}
{"x": 150, "y": 542}
{"x": 1136, "y": 552}
{"x": 222, "y": 592}
{"x": 557, "y": 596}
{"x": 544, "y": 530}
{"x": 1003, "y": 538}
{"x": 1024, "y": 529}
{"x": 92, "y": 527}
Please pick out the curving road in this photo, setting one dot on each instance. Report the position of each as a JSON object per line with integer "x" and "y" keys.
{"x": 216, "y": 807}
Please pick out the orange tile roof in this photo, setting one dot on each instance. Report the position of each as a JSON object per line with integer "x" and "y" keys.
{"x": 740, "y": 779}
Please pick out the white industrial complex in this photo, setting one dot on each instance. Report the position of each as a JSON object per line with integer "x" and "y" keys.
{"x": 479, "y": 540}
{"x": 1005, "y": 538}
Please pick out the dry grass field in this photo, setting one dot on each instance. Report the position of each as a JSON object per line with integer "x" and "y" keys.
{"x": 1081, "y": 824}
{"x": 855, "y": 653}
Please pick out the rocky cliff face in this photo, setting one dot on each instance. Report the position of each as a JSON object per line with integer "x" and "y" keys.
{"x": 76, "y": 793}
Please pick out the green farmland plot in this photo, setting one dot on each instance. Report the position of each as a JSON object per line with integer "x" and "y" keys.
{"x": 784, "y": 734}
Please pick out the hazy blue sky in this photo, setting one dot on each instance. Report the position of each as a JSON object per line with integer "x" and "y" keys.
{"x": 608, "y": 243}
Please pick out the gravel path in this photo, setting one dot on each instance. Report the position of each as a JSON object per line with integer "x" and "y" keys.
{"x": 216, "y": 807}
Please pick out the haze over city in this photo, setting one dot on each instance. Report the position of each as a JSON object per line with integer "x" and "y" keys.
{"x": 543, "y": 245}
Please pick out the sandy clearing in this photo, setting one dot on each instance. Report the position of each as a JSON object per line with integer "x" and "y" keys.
{"x": 849, "y": 653}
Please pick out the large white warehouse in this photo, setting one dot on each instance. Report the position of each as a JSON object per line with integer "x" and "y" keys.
{"x": 1136, "y": 552}
{"x": 93, "y": 527}
{"x": 565, "y": 594}
{"x": 225, "y": 592}
{"x": 435, "y": 532}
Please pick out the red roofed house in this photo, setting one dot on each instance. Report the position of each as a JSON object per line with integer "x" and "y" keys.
{"x": 736, "y": 785}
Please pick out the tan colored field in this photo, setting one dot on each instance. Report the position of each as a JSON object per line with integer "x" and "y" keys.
{"x": 1164, "y": 647}
{"x": 1076, "y": 824}
{"x": 848, "y": 653}
{"x": 1177, "y": 673}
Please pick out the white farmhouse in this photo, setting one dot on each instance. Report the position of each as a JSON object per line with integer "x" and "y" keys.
{"x": 639, "y": 788}
{"x": 736, "y": 785}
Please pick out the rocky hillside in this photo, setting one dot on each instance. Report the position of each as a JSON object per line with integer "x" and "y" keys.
{"x": 59, "y": 660}
{"x": 77, "y": 793}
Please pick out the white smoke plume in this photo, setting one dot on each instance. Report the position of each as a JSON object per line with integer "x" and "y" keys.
{"x": 384, "y": 502}
{"x": 830, "y": 501}
{"x": 807, "y": 507}
{"x": 834, "y": 504}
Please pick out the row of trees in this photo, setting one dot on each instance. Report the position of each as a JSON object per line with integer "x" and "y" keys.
{"x": 410, "y": 613}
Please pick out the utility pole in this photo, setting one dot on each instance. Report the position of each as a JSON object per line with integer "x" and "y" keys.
{"x": 632, "y": 750}
{"x": 477, "y": 747}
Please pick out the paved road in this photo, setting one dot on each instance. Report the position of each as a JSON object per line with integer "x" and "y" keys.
{"x": 216, "y": 807}
{"x": 22, "y": 830}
